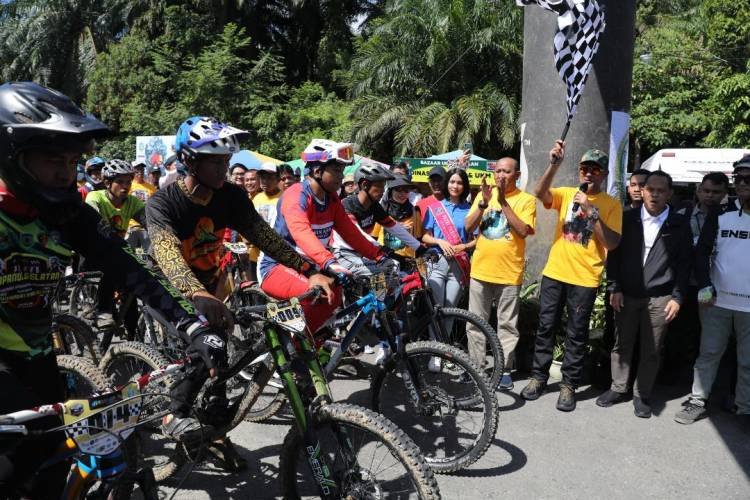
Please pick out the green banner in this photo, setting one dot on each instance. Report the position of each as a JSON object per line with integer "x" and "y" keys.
{"x": 420, "y": 169}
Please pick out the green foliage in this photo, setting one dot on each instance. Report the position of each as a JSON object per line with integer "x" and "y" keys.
{"x": 435, "y": 73}
{"x": 284, "y": 129}
{"x": 691, "y": 74}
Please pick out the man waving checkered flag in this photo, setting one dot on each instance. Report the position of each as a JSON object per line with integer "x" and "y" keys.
{"x": 580, "y": 23}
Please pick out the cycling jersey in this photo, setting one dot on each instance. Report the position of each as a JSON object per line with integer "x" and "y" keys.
{"x": 187, "y": 234}
{"x": 307, "y": 224}
{"x": 367, "y": 218}
{"x": 118, "y": 218}
{"x": 33, "y": 258}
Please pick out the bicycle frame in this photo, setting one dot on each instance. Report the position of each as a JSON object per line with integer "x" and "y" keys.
{"x": 370, "y": 307}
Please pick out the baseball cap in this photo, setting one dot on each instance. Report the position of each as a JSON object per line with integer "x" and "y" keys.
{"x": 596, "y": 156}
{"x": 437, "y": 170}
{"x": 742, "y": 163}
{"x": 400, "y": 180}
{"x": 139, "y": 164}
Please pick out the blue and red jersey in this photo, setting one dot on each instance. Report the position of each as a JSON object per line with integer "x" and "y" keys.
{"x": 307, "y": 223}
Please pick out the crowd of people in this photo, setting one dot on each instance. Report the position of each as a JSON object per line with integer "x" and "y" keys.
{"x": 662, "y": 266}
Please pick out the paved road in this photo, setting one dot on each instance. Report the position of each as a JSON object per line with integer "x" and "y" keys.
{"x": 540, "y": 452}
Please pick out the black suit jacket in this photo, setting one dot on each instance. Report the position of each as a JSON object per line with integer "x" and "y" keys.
{"x": 667, "y": 268}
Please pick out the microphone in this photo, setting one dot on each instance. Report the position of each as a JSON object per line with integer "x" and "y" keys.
{"x": 582, "y": 188}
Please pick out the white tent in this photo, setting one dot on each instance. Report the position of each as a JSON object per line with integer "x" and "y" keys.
{"x": 690, "y": 165}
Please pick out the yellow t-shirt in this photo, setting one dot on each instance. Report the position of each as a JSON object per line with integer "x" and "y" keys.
{"x": 499, "y": 256}
{"x": 266, "y": 206}
{"x": 576, "y": 256}
{"x": 143, "y": 191}
{"x": 412, "y": 224}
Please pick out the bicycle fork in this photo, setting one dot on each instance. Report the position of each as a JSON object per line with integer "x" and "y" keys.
{"x": 321, "y": 471}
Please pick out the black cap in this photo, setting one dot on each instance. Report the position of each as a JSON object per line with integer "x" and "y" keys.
{"x": 400, "y": 180}
{"x": 437, "y": 170}
{"x": 743, "y": 162}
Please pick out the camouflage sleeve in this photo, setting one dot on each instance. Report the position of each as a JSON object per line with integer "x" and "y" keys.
{"x": 166, "y": 247}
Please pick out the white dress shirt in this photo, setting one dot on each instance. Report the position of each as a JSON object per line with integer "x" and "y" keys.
{"x": 651, "y": 227}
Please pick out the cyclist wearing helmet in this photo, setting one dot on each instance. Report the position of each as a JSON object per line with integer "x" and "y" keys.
{"x": 364, "y": 209}
{"x": 308, "y": 214}
{"x": 114, "y": 203}
{"x": 137, "y": 237}
{"x": 117, "y": 208}
{"x": 187, "y": 221}
{"x": 42, "y": 221}
{"x": 92, "y": 176}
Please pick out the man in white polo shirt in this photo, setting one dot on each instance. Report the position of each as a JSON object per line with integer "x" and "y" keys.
{"x": 723, "y": 274}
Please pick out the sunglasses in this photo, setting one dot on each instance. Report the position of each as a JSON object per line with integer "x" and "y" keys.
{"x": 741, "y": 179}
{"x": 590, "y": 169}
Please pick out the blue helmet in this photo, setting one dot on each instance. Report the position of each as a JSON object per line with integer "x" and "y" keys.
{"x": 204, "y": 135}
{"x": 95, "y": 163}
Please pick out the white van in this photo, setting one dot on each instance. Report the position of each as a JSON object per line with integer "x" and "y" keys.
{"x": 688, "y": 166}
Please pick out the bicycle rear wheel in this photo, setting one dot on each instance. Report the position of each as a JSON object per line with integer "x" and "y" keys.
{"x": 457, "y": 416}
{"x": 388, "y": 464}
{"x": 128, "y": 361}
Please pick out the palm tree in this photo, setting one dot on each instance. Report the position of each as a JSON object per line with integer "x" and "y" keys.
{"x": 55, "y": 42}
{"x": 436, "y": 73}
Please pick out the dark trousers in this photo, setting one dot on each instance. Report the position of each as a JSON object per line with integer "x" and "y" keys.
{"x": 26, "y": 384}
{"x": 644, "y": 320}
{"x": 578, "y": 302}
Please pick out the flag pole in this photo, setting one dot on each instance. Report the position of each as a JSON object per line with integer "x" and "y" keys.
{"x": 565, "y": 130}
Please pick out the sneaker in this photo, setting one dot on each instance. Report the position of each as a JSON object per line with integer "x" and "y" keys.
{"x": 693, "y": 409}
{"x": 104, "y": 320}
{"x": 610, "y": 398}
{"x": 184, "y": 429}
{"x": 533, "y": 389}
{"x": 435, "y": 364}
{"x": 226, "y": 455}
{"x": 641, "y": 407}
{"x": 506, "y": 383}
{"x": 566, "y": 401}
{"x": 384, "y": 352}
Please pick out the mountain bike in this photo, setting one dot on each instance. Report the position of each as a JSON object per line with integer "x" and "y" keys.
{"x": 96, "y": 427}
{"x": 334, "y": 450}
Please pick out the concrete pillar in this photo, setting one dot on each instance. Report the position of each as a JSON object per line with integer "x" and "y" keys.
{"x": 543, "y": 110}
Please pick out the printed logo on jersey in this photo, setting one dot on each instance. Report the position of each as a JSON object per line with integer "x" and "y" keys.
{"x": 494, "y": 225}
{"x": 323, "y": 231}
{"x": 202, "y": 249}
{"x": 27, "y": 279}
{"x": 577, "y": 227}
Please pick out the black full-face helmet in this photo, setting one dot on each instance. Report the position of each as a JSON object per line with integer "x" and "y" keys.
{"x": 33, "y": 117}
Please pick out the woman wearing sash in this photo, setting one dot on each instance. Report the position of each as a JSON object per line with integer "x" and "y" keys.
{"x": 444, "y": 228}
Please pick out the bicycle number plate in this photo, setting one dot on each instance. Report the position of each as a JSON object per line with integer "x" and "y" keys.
{"x": 288, "y": 314}
{"x": 239, "y": 248}
{"x": 379, "y": 285}
{"x": 93, "y": 423}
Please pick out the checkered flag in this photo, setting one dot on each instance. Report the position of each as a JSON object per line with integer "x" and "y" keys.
{"x": 580, "y": 23}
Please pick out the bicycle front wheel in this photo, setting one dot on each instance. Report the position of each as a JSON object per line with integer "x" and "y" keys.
{"x": 386, "y": 463}
{"x": 456, "y": 417}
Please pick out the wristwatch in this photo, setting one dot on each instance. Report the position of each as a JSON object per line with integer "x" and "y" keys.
{"x": 482, "y": 205}
{"x": 594, "y": 214}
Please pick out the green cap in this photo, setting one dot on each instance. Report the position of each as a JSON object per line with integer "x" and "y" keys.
{"x": 596, "y": 156}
